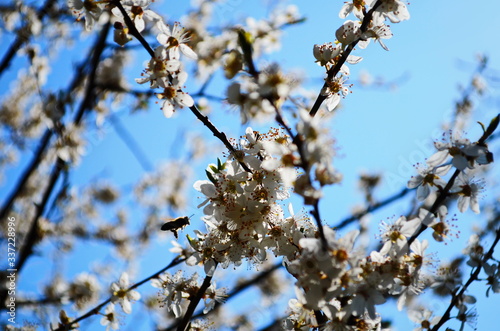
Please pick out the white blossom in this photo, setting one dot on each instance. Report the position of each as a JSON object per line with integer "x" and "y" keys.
{"x": 122, "y": 294}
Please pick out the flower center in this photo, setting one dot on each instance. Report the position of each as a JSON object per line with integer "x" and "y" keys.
{"x": 170, "y": 92}
{"x": 172, "y": 42}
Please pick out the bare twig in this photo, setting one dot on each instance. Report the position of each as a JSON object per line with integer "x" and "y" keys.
{"x": 371, "y": 208}
{"x": 131, "y": 143}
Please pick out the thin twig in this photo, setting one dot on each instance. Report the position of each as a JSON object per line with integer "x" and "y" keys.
{"x": 95, "y": 310}
{"x": 371, "y": 208}
{"x": 345, "y": 54}
{"x": 183, "y": 325}
{"x": 204, "y": 119}
{"x": 31, "y": 238}
{"x": 131, "y": 143}
{"x": 33, "y": 165}
{"x": 238, "y": 289}
{"x": 473, "y": 277}
{"x": 23, "y": 37}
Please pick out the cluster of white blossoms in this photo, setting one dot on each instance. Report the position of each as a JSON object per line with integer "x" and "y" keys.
{"x": 351, "y": 33}
{"x": 176, "y": 291}
{"x": 258, "y": 99}
{"x": 462, "y": 155}
{"x": 345, "y": 285}
{"x": 241, "y": 209}
{"x": 261, "y": 93}
{"x": 338, "y": 284}
{"x": 165, "y": 69}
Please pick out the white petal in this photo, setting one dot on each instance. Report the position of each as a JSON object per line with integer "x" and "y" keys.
{"x": 124, "y": 280}
{"x": 126, "y": 306}
{"x": 423, "y": 192}
{"x": 345, "y": 10}
{"x": 162, "y": 38}
{"x": 134, "y": 295}
{"x": 173, "y": 65}
{"x": 460, "y": 162}
{"x": 353, "y": 59}
{"x": 474, "y": 205}
{"x": 139, "y": 24}
{"x": 463, "y": 204}
{"x": 181, "y": 78}
{"x": 437, "y": 158}
{"x": 163, "y": 28}
{"x": 209, "y": 267}
{"x": 186, "y": 50}
{"x": 415, "y": 181}
{"x": 168, "y": 109}
{"x": 184, "y": 99}
{"x": 206, "y": 187}
{"x": 270, "y": 164}
{"x": 332, "y": 102}
{"x": 142, "y": 80}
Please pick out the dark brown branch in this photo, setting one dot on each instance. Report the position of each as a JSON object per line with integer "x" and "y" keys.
{"x": 96, "y": 310}
{"x": 473, "y": 277}
{"x": 31, "y": 238}
{"x": 204, "y": 119}
{"x": 238, "y": 289}
{"x": 184, "y": 324}
{"x": 444, "y": 193}
{"x": 345, "y": 54}
{"x": 23, "y": 37}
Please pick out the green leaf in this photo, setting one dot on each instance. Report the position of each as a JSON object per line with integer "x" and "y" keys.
{"x": 220, "y": 165}
{"x": 210, "y": 177}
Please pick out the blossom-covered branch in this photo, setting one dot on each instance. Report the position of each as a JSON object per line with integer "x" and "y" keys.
{"x": 119, "y": 294}
{"x": 458, "y": 296}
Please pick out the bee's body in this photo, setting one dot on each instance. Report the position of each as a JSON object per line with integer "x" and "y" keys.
{"x": 175, "y": 225}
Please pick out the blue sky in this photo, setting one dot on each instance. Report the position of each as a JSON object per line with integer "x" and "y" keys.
{"x": 377, "y": 129}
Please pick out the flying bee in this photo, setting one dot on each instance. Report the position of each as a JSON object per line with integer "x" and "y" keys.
{"x": 175, "y": 225}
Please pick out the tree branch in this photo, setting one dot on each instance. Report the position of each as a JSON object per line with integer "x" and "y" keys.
{"x": 23, "y": 37}
{"x": 474, "y": 276}
{"x": 183, "y": 325}
{"x": 95, "y": 310}
{"x": 131, "y": 143}
{"x": 345, "y": 54}
{"x": 32, "y": 237}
